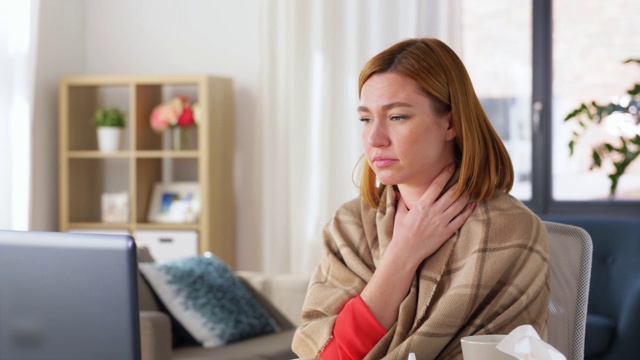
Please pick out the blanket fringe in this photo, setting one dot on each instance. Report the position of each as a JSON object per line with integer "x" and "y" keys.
{"x": 323, "y": 346}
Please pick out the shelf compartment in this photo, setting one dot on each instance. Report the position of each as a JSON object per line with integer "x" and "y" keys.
{"x": 86, "y": 99}
{"x": 88, "y": 180}
{"x": 152, "y": 170}
{"x": 148, "y": 96}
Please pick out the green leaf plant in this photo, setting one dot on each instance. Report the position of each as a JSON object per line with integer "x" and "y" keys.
{"x": 112, "y": 117}
{"x": 627, "y": 149}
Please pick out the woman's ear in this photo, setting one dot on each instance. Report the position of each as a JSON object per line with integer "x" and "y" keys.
{"x": 451, "y": 131}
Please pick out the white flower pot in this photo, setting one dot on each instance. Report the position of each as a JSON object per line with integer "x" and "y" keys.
{"x": 109, "y": 138}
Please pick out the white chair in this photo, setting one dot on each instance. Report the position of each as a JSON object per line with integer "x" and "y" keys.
{"x": 570, "y": 251}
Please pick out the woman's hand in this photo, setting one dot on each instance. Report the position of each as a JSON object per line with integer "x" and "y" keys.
{"x": 420, "y": 231}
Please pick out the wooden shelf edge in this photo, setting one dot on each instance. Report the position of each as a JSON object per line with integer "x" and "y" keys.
{"x": 99, "y": 225}
{"x": 126, "y": 80}
{"x": 155, "y": 226}
{"x": 95, "y": 154}
{"x": 132, "y": 226}
{"x": 140, "y": 154}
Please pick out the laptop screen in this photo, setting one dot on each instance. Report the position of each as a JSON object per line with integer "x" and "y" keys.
{"x": 68, "y": 296}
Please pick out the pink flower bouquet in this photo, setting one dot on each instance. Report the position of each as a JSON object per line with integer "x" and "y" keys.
{"x": 177, "y": 112}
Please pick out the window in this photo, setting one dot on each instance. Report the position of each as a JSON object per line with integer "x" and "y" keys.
{"x": 499, "y": 64}
{"x": 532, "y": 63}
{"x": 588, "y": 64}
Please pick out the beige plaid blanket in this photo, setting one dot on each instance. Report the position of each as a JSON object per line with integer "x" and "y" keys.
{"x": 487, "y": 279}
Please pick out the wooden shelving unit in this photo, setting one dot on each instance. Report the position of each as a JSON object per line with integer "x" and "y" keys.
{"x": 86, "y": 173}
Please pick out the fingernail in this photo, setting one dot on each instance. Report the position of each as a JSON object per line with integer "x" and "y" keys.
{"x": 451, "y": 166}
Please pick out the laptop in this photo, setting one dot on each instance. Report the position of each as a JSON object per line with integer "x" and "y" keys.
{"x": 68, "y": 296}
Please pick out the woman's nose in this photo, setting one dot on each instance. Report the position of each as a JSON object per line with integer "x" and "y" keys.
{"x": 378, "y": 135}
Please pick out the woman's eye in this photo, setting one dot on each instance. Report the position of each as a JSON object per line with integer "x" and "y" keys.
{"x": 365, "y": 120}
{"x": 397, "y": 117}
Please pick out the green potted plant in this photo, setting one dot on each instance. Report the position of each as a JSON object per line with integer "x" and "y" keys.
{"x": 109, "y": 123}
{"x": 626, "y": 114}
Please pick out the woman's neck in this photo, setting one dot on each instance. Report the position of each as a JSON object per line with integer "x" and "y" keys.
{"x": 411, "y": 194}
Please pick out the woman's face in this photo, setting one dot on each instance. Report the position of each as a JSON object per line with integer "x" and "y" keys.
{"x": 405, "y": 142}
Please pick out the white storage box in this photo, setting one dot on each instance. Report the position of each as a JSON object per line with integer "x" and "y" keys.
{"x": 168, "y": 245}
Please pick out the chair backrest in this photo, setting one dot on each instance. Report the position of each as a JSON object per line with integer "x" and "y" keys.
{"x": 615, "y": 284}
{"x": 570, "y": 252}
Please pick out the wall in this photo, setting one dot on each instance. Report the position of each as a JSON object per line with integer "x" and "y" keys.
{"x": 167, "y": 37}
{"x": 60, "y": 50}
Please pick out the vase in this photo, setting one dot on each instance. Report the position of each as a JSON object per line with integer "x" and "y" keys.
{"x": 179, "y": 138}
{"x": 109, "y": 138}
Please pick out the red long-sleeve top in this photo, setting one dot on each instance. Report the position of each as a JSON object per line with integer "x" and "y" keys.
{"x": 355, "y": 332}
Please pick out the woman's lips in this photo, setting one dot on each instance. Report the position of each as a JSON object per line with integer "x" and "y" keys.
{"x": 381, "y": 162}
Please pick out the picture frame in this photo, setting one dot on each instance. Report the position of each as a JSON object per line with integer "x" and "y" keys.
{"x": 175, "y": 203}
{"x": 115, "y": 207}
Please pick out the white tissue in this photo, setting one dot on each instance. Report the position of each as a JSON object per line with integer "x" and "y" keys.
{"x": 412, "y": 356}
{"x": 524, "y": 343}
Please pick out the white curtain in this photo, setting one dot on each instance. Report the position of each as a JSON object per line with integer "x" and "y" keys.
{"x": 18, "y": 22}
{"x": 313, "y": 51}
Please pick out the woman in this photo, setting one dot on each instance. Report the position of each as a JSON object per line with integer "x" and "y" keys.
{"x": 434, "y": 248}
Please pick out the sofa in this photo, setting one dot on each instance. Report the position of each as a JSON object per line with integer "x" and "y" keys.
{"x": 282, "y": 295}
{"x": 613, "y": 311}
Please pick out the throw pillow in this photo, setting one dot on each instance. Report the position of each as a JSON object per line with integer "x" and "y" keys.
{"x": 208, "y": 300}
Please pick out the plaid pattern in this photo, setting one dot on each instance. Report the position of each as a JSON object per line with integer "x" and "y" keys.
{"x": 489, "y": 278}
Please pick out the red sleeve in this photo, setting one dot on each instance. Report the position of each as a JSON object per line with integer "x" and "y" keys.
{"x": 355, "y": 333}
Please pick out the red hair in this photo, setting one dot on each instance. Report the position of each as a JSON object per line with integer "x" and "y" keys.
{"x": 485, "y": 165}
